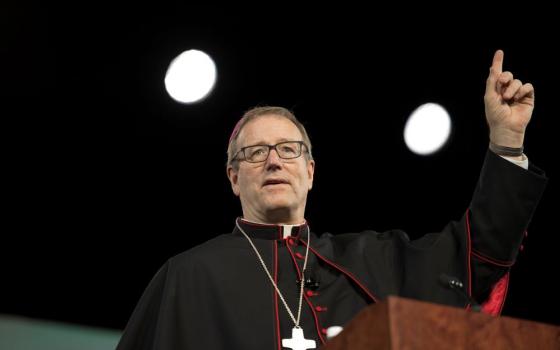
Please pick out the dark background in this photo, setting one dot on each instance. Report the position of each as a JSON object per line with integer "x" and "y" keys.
{"x": 105, "y": 176}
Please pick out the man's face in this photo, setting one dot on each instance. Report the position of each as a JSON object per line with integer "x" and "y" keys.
{"x": 273, "y": 191}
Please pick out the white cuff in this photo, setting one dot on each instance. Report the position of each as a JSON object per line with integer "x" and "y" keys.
{"x": 522, "y": 163}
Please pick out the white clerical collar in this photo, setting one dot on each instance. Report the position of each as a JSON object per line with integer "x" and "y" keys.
{"x": 286, "y": 228}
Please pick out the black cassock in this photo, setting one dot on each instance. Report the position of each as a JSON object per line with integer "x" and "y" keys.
{"x": 217, "y": 296}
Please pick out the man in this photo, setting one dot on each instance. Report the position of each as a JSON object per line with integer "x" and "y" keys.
{"x": 243, "y": 290}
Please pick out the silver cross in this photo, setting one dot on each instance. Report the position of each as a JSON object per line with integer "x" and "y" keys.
{"x": 298, "y": 342}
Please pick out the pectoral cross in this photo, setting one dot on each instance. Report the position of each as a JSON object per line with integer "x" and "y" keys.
{"x": 298, "y": 342}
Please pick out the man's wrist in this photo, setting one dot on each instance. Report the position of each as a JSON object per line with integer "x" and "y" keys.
{"x": 505, "y": 150}
{"x": 507, "y": 138}
{"x": 515, "y": 152}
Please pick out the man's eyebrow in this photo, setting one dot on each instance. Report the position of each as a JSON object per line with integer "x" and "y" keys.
{"x": 261, "y": 142}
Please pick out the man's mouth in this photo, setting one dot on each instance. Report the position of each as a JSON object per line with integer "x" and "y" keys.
{"x": 273, "y": 182}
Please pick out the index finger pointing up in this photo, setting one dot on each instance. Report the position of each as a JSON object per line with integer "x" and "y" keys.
{"x": 498, "y": 61}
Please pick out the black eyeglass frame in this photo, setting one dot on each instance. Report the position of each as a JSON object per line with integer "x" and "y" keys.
{"x": 302, "y": 148}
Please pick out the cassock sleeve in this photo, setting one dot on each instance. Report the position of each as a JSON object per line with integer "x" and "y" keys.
{"x": 480, "y": 248}
{"x": 501, "y": 209}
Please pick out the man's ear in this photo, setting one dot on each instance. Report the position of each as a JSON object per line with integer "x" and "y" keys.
{"x": 233, "y": 177}
{"x": 310, "y": 172}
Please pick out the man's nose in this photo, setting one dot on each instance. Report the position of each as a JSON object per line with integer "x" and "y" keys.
{"x": 273, "y": 158}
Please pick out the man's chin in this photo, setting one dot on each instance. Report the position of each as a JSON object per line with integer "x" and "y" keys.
{"x": 277, "y": 206}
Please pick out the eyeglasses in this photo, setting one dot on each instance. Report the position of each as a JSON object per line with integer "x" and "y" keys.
{"x": 259, "y": 153}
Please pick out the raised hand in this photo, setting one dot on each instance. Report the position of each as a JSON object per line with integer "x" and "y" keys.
{"x": 508, "y": 105}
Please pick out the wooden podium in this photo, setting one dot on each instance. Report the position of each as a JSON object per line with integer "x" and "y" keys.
{"x": 399, "y": 323}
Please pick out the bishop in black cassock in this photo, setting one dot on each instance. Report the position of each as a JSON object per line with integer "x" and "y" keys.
{"x": 217, "y": 295}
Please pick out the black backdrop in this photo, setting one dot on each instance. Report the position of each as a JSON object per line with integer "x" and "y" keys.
{"x": 107, "y": 176}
